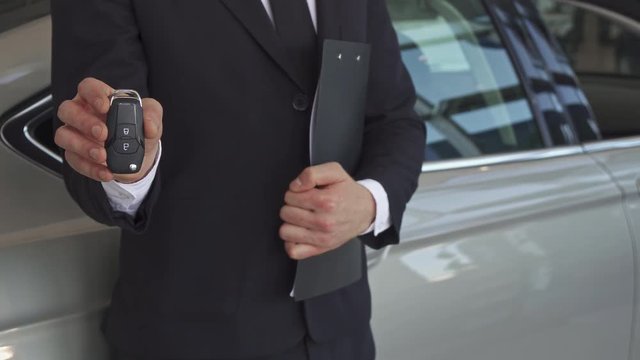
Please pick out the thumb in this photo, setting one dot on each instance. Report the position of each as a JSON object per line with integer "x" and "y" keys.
{"x": 319, "y": 175}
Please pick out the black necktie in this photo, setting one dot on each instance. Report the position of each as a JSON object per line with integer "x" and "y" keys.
{"x": 295, "y": 28}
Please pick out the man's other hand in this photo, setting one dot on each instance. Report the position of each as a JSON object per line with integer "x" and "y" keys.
{"x": 84, "y": 132}
{"x": 324, "y": 208}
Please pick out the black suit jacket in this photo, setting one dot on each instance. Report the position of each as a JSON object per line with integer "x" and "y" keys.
{"x": 202, "y": 270}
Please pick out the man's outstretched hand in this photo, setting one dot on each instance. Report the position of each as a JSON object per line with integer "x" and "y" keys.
{"x": 84, "y": 132}
{"x": 324, "y": 208}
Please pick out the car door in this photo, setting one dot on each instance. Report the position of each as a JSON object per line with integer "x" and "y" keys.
{"x": 57, "y": 266}
{"x": 621, "y": 158}
{"x": 611, "y": 73}
{"x": 515, "y": 245}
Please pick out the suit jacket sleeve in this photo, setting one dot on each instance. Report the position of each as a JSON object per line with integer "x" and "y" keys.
{"x": 394, "y": 138}
{"x": 98, "y": 38}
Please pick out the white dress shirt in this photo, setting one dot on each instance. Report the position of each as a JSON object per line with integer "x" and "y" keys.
{"x": 128, "y": 197}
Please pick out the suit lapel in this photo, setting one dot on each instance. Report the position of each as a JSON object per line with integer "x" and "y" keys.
{"x": 254, "y": 18}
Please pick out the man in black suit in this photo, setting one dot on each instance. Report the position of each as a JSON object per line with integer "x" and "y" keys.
{"x": 203, "y": 270}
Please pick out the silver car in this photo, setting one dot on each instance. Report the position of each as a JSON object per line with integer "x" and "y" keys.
{"x": 521, "y": 242}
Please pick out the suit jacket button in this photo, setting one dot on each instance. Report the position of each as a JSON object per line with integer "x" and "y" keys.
{"x": 300, "y": 102}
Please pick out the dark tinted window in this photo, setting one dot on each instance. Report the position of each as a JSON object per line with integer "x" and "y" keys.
{"x": 563, "y": 79}
{"x": 595, "y": 43}
{"x": 605, "y": 53}
{"x": 17, "y": 12}
{"x": 468, "y": 92}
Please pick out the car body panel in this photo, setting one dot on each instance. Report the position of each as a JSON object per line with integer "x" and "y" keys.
{"x": 519, "y": 261}
{"x": 57, "y": 266}
{"x": 54, "y": 261}
{"x": 75, "y": 337}
{"x": 621, "y": 158}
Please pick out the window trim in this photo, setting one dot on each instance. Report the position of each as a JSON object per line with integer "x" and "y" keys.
{"x": 491, "y": 6}
{"x": 26, "y": 129}
{"x": 558, "y": 79}
{"x": 624, "y": 143}
{"x": 500, "y": 159}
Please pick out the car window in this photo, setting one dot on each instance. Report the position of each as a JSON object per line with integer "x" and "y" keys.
{"x": 578, "y": 117}
{"x": 595, "y": 43}
{"x": 468, "y": 92}
{"x": 17, "y": 12}
{"x": 605, "y": 54}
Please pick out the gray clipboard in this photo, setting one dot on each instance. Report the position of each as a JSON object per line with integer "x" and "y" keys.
{"x": 336, "y": 133}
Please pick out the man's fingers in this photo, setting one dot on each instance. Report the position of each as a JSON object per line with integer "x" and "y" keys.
{"x": 307, "y": 219}
{"x": 152, "y": 119}
{"x": 95, "y": 93}
{"x": 305, "y": 200}
{"x": 300, "y": 217}
{"x": 74, "y": 114}
{"x": 72, "y": 141}
{"x": 87, "y": 168}
{"x": 319, "y": 175}
{"x": 295, "y": 234}
{"x": 320, "y": 200}
{"x": 302, "y": 251}
{"x": 300, "y": 235}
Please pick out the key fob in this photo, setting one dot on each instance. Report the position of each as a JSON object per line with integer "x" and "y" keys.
{"x": 125, "y": 141}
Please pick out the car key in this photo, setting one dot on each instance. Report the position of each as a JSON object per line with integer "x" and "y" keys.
{"x": 125, "y": 141}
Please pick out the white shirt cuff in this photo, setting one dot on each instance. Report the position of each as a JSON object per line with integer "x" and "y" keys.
{"x": 382, "y": 220}
{"x": 128, "y": 197}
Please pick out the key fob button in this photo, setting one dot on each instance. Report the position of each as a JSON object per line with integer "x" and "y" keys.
{"x": 127, "y": 113}
{"x": 126, "y": 131}
{"x": 126, "y": 146}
